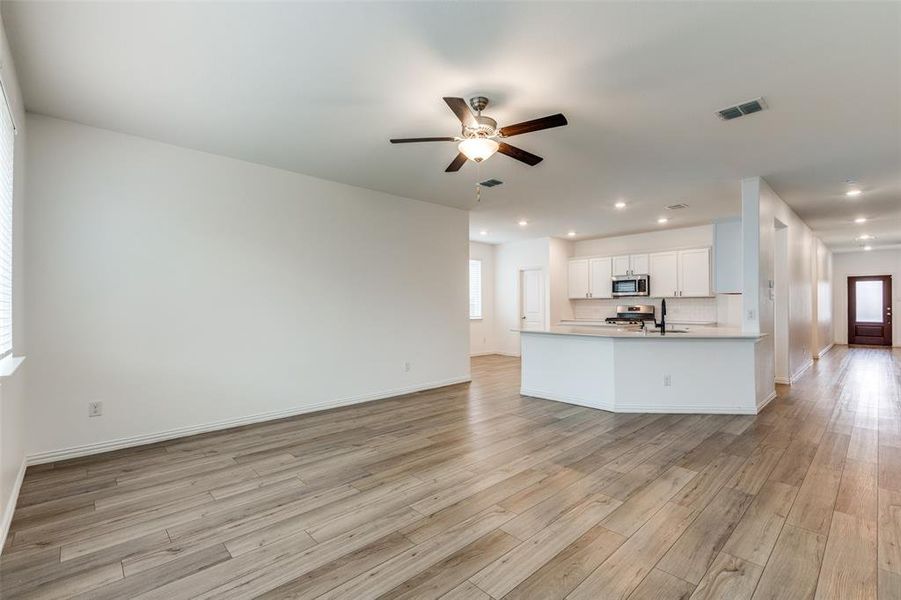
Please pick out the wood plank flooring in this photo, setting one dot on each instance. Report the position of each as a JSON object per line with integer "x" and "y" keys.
{"x": 475, "y": 492}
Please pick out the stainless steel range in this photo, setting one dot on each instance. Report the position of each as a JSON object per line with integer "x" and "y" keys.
{"x": 634, "y": 314}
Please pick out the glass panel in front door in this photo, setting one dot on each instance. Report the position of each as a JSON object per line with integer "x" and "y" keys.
{"x": 869, "y": 301}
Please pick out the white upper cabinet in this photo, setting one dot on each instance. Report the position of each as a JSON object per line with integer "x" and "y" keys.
{"x": 630, "y": 264}
{"x": 640, "y": 264}
{"x": 578, "y": 278}
{"x": 600, "y": 278}
{"x": 682, "y": 273}
{"x": 694, "y": 272}
{"x": 621, "y": 265}
{"x": 664, "y": 274}
{"x": 589, "y": 278}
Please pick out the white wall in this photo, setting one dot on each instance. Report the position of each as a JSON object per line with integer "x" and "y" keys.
{"x": 185, "y": 289}
{"x": 509, "y": 259}
{"x": 851, "y": 264}
{"x": 824, "y": 282}
{"x": 652, "y": 241}
{"x": 482, "y": 331}
{"x": 761, "y": 207}
{"x": 559, "y": 308}
{"x": 12, "y": 396}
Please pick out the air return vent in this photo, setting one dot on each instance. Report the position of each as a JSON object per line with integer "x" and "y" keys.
{"x": 491, "y": 182}
{"x": 679, "y": 206}
{"x": 740, "y": 110}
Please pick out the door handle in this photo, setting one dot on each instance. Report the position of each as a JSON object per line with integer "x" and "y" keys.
{"x": 523, "y": 316}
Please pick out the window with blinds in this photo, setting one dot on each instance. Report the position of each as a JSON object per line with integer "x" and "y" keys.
{"x": 7, "y": 145}
{"x": 475, "y": 289}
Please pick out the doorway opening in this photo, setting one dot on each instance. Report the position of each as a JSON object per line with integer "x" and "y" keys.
{"x": 531, "y": 301}
{"x": 779, "y": 294}
{"x": 870, "y": 310}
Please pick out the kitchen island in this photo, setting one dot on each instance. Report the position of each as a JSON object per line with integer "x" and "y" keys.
{"x": 620, "y": 369}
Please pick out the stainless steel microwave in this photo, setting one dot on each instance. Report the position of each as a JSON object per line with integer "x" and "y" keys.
{"x": 631, "y": 285}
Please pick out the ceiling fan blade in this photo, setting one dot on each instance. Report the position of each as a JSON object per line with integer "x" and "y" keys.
{"x": 456, "y": 163}
{"x": 461, "y": 109}
{"x": 431, "y": 139}
{"x": 519, "y": 154}
{"x": 557, "y": 120}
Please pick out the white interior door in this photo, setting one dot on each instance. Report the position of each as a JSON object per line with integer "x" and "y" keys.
{"x": 532, "y": 300}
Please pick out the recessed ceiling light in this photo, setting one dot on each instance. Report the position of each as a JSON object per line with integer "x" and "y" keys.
{"x": 483, "y": 232}
{"x": 860, "y": 220}
{"x": 523, "y": 222}
{"x": 866, "y": 236}
{"x": 662, "y": 220}
{"x": 852, "y": 193}
{"x": 571, "y": 234}
{"x": 620, "y": 204}
{"x": 868, "y": 248}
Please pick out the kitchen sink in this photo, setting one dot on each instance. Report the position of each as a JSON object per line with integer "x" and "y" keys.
{"x": 668, "y": 331}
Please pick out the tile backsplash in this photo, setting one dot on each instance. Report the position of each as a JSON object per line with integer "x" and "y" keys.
{"x": 695, "y": 310}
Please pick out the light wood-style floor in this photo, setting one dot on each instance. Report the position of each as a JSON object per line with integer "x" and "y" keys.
{"x": 474, "y": 492}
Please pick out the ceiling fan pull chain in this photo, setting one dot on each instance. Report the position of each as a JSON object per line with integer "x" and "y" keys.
{"x": 478, "y": 183}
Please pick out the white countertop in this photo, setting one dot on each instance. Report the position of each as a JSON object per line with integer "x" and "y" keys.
{"x": 610, "y": 331}
{"x": 591, "y": 323}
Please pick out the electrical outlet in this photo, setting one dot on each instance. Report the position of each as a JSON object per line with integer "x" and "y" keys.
{"x": 406, "y": 367}
{"x": 751, "y": 314}
{"x": 95, "y": 409}
{"x": 667, "y": 380}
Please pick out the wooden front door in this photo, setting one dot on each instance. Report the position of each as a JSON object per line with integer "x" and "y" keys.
{"x": 870, "y": 310}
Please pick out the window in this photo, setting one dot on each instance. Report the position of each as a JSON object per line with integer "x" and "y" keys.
{"x": 7, "y": 144}
{"x": 475, "y": 289}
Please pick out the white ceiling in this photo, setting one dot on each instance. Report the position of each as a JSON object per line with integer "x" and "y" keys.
{"x": 319, "y": 89}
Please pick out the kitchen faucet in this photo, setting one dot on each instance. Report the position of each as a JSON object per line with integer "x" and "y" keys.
{"x": 662, "y": 324}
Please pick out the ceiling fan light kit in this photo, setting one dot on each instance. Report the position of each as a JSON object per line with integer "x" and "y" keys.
{"x": 480, "y": 137}
{"x": 478, "y": 149}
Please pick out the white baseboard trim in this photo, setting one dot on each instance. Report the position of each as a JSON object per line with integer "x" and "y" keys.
{"x": 150, "y": 438}
{"x": 824, "y": 351}
{"x": 766, "y": 401}
{"x": 516, "y": 355}
{"x": 797, "y": 374}
{"x": 10, "y": 507}
{"x": 692, "y": 409}
{"x": 565, "y": 399}
{"x": 783, "y": 380}
{"x": 486, "y": 353}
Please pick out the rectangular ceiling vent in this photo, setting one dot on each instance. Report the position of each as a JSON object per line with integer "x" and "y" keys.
{"x": 740, "y": 110}
{"x": 679, "y": 206}
{"x": 491, "y": 182}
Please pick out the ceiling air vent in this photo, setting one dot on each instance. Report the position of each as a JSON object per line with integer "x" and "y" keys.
{"x": 740, "y": 110}
{"x": 679, "y": 206}
{"x": 491, "y": 182}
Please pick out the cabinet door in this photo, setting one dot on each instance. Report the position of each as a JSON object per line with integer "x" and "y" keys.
{"x": 578, "y": 278}
{"x": 621, "y": 265}
{"x": 600, "y": 275}
{"x": 694, "y": 272}
{"x": 639, "y": 264}
{"x": 663, "y": 269}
